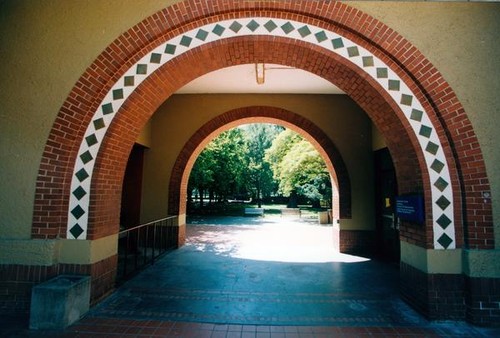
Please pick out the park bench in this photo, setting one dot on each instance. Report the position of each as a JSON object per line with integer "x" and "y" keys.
{"x": 254, "y": 211}
{"x": 290, "y": 212}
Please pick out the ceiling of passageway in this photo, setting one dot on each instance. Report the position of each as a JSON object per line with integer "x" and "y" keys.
{"x": 278, "y": 79}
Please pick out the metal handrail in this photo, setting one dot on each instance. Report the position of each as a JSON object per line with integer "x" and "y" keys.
{"x": 141, "y": 245}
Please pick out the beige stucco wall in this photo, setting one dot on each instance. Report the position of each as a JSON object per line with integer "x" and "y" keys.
{"x": 45, "y": 45}
{"x": 181, "y": 115}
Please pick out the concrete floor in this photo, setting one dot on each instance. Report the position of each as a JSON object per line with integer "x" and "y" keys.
{"x": 264, "y": 277}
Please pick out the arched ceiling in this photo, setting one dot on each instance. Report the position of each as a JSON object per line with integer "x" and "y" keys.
{"x": 278, "y": 79}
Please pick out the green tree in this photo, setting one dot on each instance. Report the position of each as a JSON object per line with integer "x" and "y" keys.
{"x": 259, "y": 138}
{"x": 299, "y": 169}
{"x": 219, "y": 169}
{"x": 202, "y": 175}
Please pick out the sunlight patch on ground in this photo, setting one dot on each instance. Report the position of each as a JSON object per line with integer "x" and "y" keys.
{"x": 277, "y": 240}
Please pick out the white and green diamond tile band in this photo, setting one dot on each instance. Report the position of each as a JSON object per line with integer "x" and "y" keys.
{"x": 430, "y": 145}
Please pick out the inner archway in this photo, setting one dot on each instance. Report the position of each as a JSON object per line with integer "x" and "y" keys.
{"x": 341, "y": 207}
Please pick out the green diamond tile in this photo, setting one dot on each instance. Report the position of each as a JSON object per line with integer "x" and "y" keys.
{"x": 82, "y": 175}
{"x": 287, "y": 28}
{"x": 270, "y": 25}
{"x": 445, "y": 241}
{"x": 235, "y": 26}
{"x": 443, "y": 202}
{"x": 117, "y": 94}
{"x": 416, "y": 115}
{"x": 79, "y": 193}
{"x": 406, "y": 99}
{"x": 108, "y": 107}
{"x": 76, "y": 230}
{"x": 201, "y": 35}
{"x": 170, "y": 49}
{"x": 352, "y": 51}
{"x": 86, "y": 157}
{"x": 253, "y": 25}
{"x": 77, "y": 212}
{"x": 443, "y": 221}
{"x": 321, "y": 36}
{"x": 155, "y": 58}
{"x": 337, "y": 43}
{"x": 185, "y": 41}
{"x": 368, "y": 61}
{"x": 432, "y": 148}
{"x": 218, "y": 30}
{"x": 437, "y": 166}
{"x": 441, "y": 184}
{"x": 304, "y": 31}
{"x": 91, "y": 140}
{"x": 425, "y": 131}
{"x": 99, "y": 124}
{"x": 141, "y": 69}
{"x": 394, "y": 85}
{"x": 382, "y": 73}
{"x": 128, "y": 81}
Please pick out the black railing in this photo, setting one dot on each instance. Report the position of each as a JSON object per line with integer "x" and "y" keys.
{"x": 141, "y": 245}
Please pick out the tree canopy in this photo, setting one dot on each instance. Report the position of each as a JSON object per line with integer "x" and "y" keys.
{"x": 299, "y": 168}
{"x": 260, "y": 160}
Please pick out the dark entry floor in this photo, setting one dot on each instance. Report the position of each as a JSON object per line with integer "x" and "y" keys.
{"x": 261, "y": 279}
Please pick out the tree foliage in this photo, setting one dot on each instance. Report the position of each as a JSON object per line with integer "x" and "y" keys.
{"x": 259, "y": 138}
{"x": 299, "y": 168}
{"x": 220, "y": 168}
{"x": 262, "y": 160}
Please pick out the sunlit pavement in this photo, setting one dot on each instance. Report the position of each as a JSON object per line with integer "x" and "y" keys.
{"x": 272, "y": 239}
{"x": 265, "y": 277}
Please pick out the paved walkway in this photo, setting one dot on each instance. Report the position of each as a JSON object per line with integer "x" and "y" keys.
{"x": 260, "y": 279}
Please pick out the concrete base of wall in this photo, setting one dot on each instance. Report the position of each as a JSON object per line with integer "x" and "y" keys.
{"x": 59, "y": 302}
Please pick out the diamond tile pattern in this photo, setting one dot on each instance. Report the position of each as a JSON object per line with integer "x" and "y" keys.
{"x": 443, "y": 221}
{"x": 235, "y": 26}
{"x": 321, "y": 36}
{"x": 445, "y": 241}
{"x": 304, "y": 31}
{"x": 76, "y": 231}
{"x": 337, "y": 43}
{"x": 270, "y": 25}
{"x": 202, "y": 35}
{"x": 186, "y": 41}
{"x": 81, "y": 175}
{"x": 79, "y": 193}
{"x": 442, "y": 195}
{"x": 287, "y": 28}
{"x": 253, "y": 25}
{"x": 77, "y": 212}
{"x": 108, "y": 107}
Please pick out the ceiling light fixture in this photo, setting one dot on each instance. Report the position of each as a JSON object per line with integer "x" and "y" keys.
{"x": 260, "y": 73}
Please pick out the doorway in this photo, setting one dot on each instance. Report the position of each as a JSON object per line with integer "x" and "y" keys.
{"x": 386, "y": 188}
{"x": 130, "y": 212}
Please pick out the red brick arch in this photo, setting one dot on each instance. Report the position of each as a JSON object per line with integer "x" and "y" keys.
{"x": 260, "y": 114}
{"x": 462, "y": 149}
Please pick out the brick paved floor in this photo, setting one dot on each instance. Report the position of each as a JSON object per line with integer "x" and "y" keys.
{"x": 255, "y": 280}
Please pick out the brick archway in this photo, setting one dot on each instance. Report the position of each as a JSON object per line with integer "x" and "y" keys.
{"x": 427, "y": 130}
{"x": 386, "y": 65}
{"x": 260, "y": 114}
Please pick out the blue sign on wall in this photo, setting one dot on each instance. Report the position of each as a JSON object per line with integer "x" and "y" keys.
{"x": 410, "y": 208}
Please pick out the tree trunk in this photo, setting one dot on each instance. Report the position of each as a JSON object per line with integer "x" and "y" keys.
{"x": 293, "y": 201}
